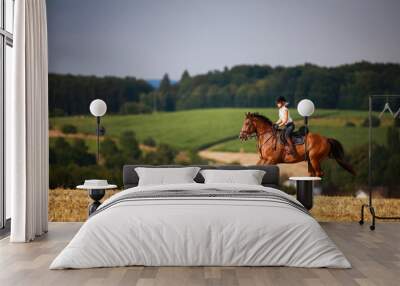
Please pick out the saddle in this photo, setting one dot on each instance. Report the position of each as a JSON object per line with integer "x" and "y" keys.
{"x": 296, "y": 136}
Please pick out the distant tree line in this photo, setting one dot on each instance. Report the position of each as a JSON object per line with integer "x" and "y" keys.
{"x": 345, "y": 87}
{"x": 72, "y": 94}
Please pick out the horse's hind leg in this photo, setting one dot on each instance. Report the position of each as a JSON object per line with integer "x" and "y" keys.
{"x": 316, "y": 166}
{"x": 310, "y": 169}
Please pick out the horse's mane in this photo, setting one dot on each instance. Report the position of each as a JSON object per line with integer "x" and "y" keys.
{"x": 261, "y": 117}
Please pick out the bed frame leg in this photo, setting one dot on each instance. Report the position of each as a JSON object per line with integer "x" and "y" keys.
{"x": 361, "y": 222}
{"x": 372, "y": 210}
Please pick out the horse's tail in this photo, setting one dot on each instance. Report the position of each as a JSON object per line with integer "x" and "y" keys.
{"x": 337, "y": 153}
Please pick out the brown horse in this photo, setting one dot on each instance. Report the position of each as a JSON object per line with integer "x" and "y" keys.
{"x": 272, "y": 152}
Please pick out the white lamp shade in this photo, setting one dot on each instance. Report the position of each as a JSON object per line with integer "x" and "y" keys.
{"x": 305, "y": 107}
{"x": 98, "y": 107}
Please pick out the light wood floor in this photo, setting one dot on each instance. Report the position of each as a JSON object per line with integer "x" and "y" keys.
{"x": 375, "y": 257}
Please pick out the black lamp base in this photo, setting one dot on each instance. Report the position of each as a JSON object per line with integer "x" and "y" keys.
{"x": 304, "y": 193}
{"x": 96, "y": 196}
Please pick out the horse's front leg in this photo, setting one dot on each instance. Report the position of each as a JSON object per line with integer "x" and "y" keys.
{"x": 268, "y": 161}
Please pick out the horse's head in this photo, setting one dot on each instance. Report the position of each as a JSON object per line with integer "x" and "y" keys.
{"x": 248, "y": 128}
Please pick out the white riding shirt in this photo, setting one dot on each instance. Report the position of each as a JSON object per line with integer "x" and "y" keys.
{"x": 282, "y": 111}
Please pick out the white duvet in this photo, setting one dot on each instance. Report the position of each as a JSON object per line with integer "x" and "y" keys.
{"x": 200, "y": 231}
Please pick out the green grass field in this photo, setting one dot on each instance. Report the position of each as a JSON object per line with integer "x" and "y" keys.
{"x": 182, "y": 129}
{"x": 195, "y": 128}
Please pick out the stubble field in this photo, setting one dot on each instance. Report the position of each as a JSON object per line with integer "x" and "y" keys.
{"x": 71, "y": 205}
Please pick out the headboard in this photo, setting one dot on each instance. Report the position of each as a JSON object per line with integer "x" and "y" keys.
{"x": 271, "y": 177}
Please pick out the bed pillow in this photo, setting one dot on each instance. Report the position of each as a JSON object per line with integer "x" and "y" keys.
{"x": 248, "y": 177}
{"x": 166, "y": 176}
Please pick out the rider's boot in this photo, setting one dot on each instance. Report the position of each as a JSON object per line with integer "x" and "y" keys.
{"x": 292, "y": 148}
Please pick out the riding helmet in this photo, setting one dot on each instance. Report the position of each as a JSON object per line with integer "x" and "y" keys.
{"x": 281, "y": 99}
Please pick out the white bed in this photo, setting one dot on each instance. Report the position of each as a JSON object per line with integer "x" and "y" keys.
{"x": 203, "y": 231}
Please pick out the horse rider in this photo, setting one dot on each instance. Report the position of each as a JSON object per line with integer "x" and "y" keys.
{"x": 286, "y": 122}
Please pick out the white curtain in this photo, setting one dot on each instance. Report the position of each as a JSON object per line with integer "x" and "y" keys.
{"x": 27, "y": 124}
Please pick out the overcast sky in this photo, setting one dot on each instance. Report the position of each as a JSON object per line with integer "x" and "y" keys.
{"x": 147, "y": 38}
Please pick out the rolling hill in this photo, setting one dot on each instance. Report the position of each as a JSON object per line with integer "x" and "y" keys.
{"x": 201, "y": 128}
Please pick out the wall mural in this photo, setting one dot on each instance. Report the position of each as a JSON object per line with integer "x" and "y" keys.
{"x": 196, "y": 119}
{"x": 272, "y": 141}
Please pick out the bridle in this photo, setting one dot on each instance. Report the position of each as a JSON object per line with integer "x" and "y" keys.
{"x": 250, "y": 135}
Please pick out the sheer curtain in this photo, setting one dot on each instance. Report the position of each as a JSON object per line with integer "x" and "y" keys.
{"x": 27, "y": 124}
